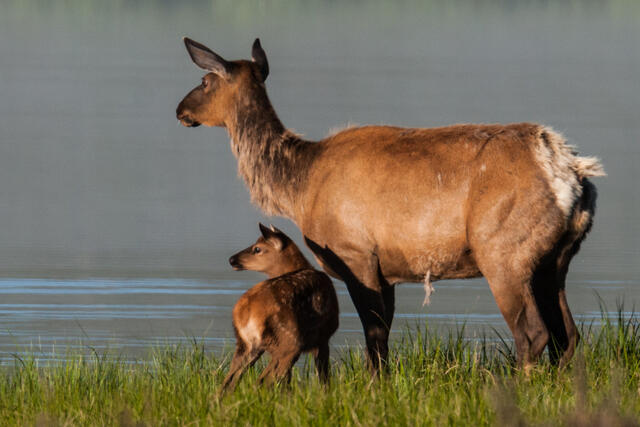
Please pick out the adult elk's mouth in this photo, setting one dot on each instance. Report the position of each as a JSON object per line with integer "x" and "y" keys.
{"x": 187, "y": 122}
{"x": 185, "y": 118}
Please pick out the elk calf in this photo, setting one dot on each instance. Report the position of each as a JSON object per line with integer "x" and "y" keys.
{"x": 294, "y": 311}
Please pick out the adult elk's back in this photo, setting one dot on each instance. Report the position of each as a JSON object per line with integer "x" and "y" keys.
{"x": 379, "y": 205}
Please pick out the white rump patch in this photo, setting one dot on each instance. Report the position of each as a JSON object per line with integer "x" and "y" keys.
{"x": 558, "y": 162}
{"x": 428, "y": 289}
{"x": 251, "y": 332}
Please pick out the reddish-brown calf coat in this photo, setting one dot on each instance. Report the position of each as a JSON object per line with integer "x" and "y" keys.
{"x": 294, "y": 311}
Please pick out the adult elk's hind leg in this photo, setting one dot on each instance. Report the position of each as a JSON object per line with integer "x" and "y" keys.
{"x": 562, "y": 354}
{"x": 570, "y": 327}
{"x": 519, "y": 309}
{"x": 579, "y": 225}
{"x": 546, "y": 290}
{"x": 512, "y": 233}
{"x": 507, "y": 267}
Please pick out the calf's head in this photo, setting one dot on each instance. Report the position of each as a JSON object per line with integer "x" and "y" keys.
{"x": 274, "y": 254}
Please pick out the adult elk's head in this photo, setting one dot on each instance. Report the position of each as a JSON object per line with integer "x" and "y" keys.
{"x": 225, "y": 89}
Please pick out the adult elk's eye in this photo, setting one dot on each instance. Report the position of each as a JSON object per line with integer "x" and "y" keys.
{"x": 256, "y": 250}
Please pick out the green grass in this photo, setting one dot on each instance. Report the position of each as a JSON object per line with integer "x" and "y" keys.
{"x": 433, "y": 379}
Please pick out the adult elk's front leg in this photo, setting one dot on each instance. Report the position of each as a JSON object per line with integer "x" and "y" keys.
{"x": 368, "y": 290}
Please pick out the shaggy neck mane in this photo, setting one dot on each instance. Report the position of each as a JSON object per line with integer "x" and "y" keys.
{"x": 273, "y": 161}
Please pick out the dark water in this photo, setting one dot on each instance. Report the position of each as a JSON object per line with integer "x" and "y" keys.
{"x": 116, "y": 222}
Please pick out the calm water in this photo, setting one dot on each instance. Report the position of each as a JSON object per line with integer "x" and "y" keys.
{"x": 116, "y": 223}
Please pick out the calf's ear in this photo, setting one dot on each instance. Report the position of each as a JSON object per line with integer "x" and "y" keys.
{"x": 265, "y": 231}
{"x": 279, "y": 235}
{"x": 275, "y": 237}
{"x": 275, "y": 230}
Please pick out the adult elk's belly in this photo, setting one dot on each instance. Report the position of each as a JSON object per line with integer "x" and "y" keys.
{"x": 413, "y": 220}
{"x": 424, "y": 239}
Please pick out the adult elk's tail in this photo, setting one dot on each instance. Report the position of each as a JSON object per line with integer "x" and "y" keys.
{"x": 586, "y": 167}
{"x": 581, "y": 220}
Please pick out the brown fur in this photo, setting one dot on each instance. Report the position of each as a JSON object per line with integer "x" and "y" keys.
{"x": 295, "y": 311}
{"x": 379, "y": 205}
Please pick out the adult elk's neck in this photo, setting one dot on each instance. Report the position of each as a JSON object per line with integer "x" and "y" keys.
{"x": 273, "y": 161}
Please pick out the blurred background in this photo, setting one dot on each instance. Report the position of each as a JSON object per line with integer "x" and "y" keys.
{"x": 116, "y": 222}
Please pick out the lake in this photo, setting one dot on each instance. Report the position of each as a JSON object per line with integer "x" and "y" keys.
{"x": 116, "y": 223}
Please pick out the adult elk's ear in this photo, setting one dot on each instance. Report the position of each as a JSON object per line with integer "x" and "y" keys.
{"x": 260, "y": 58}
{"x": 207, "y": 59}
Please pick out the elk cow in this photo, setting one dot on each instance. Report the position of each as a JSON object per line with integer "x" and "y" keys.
{"x": 380, "y": 205}
{"x": 294, "y": 311}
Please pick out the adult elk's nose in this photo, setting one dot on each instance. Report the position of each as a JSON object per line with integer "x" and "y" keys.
{"x": 179, "y": 111}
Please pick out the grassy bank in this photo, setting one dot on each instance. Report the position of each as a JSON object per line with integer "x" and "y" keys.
{"x": 433, "y": 380}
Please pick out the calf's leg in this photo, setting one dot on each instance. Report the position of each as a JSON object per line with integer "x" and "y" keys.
{"x": 279, "y": 368}
{"x": 322, "y": 361}
{"x": 242, "y": 360}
